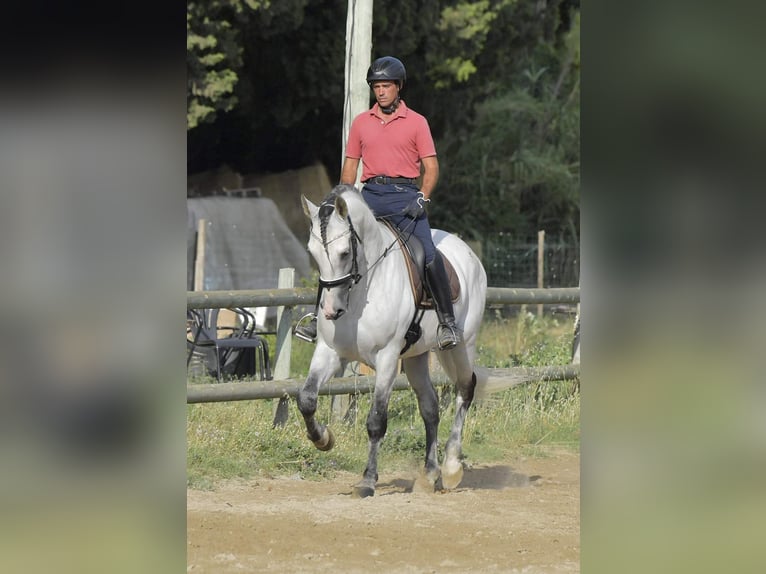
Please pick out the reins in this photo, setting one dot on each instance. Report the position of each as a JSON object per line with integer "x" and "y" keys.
{"x": 353, "y": 277}
{"x": 398, "y": 233}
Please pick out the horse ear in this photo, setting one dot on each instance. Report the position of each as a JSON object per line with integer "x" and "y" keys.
{"x": 308, "y": 208}
{"x": 341, "y": 208}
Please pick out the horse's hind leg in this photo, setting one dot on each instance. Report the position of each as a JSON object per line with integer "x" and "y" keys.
{"x": 456, "y": 363}
{"x": 416, "y": 369}
{"x": 324, "y": 364}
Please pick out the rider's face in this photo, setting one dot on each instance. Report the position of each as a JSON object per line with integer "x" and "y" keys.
{"x": 385, "y": 92}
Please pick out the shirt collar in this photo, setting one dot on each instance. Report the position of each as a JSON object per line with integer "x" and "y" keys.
{"x": 401, "y": 111}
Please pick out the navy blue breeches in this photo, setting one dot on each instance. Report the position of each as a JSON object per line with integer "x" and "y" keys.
{"x": 390, "y": 201}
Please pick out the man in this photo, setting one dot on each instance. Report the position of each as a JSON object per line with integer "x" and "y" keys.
{"x": 392, "y": 142}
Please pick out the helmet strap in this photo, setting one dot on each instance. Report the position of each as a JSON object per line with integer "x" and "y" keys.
{"x": 388, "y": 110}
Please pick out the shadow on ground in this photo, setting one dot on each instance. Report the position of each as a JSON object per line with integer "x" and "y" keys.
{"x": 482, "y": 478}
{"x": 495, "y": 478}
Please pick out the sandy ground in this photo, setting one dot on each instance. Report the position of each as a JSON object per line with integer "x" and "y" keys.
{"x": 519, "y": 516}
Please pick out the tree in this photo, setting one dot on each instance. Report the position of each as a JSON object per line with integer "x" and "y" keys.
{"x": 517, "y": 156}
{"x": 214, "y": 56}
{"x": 498, "y": 81}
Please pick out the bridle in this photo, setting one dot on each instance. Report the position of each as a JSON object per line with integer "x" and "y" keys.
{"x": 352, "y": 277}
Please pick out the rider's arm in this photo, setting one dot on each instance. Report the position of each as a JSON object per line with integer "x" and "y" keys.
{"x": 348, "y": 173}
{"x": 430, "y": 174}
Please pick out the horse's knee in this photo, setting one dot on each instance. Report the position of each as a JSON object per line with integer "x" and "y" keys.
{"x": 307, "y": 403}
{"x": 428, "y": 404}
{"x": 377, "y": 423}
{"x": 431, "y": 416}
{"x": 429, "y": 412}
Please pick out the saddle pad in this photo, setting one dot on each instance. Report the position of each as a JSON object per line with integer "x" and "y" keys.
{"x": 421, "y": 295}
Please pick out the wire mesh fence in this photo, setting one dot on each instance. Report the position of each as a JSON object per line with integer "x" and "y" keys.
{"x": 509, "y": 263}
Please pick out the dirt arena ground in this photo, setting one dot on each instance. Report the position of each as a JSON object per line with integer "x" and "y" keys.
{"x": 518, "y": 516}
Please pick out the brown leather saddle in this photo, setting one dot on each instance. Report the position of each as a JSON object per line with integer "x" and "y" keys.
{"x": 414, "y": 256}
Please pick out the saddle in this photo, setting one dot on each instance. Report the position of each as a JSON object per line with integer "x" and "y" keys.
{"x": 414, "y": 256}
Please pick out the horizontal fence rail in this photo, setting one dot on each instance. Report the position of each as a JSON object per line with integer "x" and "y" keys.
{"x": 249, "y": 390}
{"x": 307, "y": 296}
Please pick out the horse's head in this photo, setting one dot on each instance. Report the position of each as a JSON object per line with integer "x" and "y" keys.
{"x": 334, "y": 245}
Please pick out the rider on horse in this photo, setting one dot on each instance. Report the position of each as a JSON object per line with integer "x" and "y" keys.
{"x": 393, "y": 141}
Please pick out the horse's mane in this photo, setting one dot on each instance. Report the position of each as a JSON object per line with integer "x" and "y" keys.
{"x": 327, "y": 206}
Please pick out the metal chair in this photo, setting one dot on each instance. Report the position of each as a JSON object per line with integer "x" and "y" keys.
{"x": 231, "y": 345}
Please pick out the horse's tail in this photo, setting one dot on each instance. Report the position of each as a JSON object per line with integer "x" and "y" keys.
{"x": 490, "y": 381}
{"x": 482, "y": 390}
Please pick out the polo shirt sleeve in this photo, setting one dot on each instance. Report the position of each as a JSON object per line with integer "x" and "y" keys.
{"x": 354, "y": 143}
{"x": 424, "y": 140}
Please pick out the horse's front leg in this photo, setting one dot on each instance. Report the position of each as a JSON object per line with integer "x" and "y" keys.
{"x": 377, "y": 419}
{"x": 324, "y": 364}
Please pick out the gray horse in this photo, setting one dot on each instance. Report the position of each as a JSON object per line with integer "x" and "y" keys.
{"x": 365, "y": 310}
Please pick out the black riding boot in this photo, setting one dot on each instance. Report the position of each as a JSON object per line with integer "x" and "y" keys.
{"x": 447, "y": 336}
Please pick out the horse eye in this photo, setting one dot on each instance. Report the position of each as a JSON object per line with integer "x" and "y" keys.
{"x": 344, "y": 255}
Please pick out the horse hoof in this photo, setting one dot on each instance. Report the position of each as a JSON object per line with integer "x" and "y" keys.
{"x": 452, "y": 474}
{"x": 326, "y": 442}
{"x": 362, "y": 491}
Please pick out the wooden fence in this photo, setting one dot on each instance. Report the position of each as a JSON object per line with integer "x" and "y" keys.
{"x": 287, "y": 297}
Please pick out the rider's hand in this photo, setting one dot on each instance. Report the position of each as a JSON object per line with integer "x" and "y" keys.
{"x": 417, "y": 207}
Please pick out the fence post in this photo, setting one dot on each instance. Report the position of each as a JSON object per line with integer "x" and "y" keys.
{"x": 540, "y": 266}
{"x": 284, "y": 345}
{"x": 340, "y": 404}
{"x": 576, "y": 338}
{"x": 199, "y": 257}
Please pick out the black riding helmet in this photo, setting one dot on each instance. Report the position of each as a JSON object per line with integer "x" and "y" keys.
{"x": 387, "y": 68}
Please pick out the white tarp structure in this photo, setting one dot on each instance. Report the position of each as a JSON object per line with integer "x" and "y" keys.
{"x": 247, "y": 242}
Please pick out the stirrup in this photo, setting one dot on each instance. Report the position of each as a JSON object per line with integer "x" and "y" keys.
{"x": 447, "y": 336}
{"x": 308, "y": 332}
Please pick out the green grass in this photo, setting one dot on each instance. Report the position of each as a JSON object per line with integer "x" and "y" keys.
{"x": 227, "y": 440}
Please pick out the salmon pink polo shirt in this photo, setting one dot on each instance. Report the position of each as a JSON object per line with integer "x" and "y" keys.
{"x": 394, "y": 148}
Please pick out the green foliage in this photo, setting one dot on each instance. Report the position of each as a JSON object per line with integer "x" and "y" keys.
{"x": 498, "y": 81}
{"x": 217, "y": 35}
{"x": 524, "y": 340}
{"x": 213, "y": 56}
{"x": 463, "y": 29}
{"x": 520, "y": 167}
